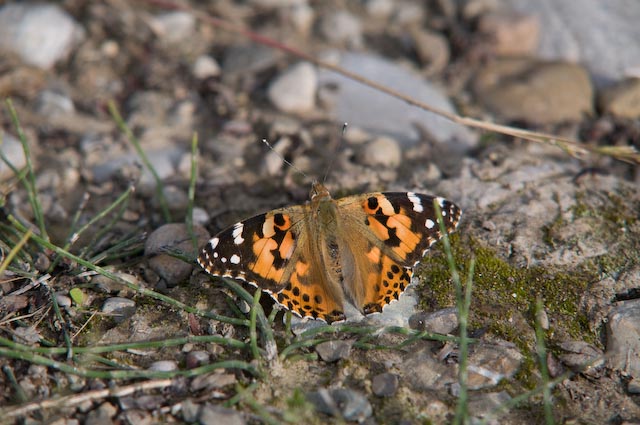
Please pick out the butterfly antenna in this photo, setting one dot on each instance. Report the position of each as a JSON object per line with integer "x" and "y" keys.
{"x": 333, "y": 157}
{"x": 279, "y": 155}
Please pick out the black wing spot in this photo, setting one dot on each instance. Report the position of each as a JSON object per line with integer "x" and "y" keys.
{"x": 372, "y": 203}
{"x": 279, "y": 220}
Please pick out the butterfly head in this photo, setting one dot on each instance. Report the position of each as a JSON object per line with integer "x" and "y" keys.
{"x": 319, "y": 192}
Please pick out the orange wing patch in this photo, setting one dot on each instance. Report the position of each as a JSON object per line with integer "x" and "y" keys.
{"x": 385, "y": 285}
{"x": 309, "y": 299}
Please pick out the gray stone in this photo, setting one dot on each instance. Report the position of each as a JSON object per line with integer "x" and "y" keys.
{"x": 381, "y": 114}
{"x": 581, "y": 356}
{"x": 172, "y": 236}
{"x": 341, "y": 403}
{"x": 623, "y": 338}
{"x": 205, "y": 67}
{"x": 633, "y": 387}
{"x": 342, "y": 28}
{"x": 196, "y": 358}
{"x": 190, "y": 411}
{"x": 432, "y": 49}
{"x": 535, "y": 92}
{"x": 119, "y": 308}
{"x": 136, "y": 416}
{"x": 332, "y": 351}
{"x": 12, "y": 150}
{"x": 63, "y": 300}
{"x": 41, "y": 34}
{"x": 379, "y": 8}
{"x": 510, "y": 33}
{"x": 102, "y": 415}
{"x": 482, "y": 406}
{"x": 53, "y": 103}
{"x": 384, "y": 384}
{"x": 164, "y": 366}
{"x": 382, "y": 151}
{"x": 622, "y": 99}
{"x": 294, "y": 91}
{"x": 174, "y": 27}
{"x": 442, "y": 321}
{"x": 217, "y": 415}
{"x": 489, "y": 363}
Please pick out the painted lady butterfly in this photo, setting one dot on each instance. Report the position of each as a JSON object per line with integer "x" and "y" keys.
{"x": 312, "y": 257}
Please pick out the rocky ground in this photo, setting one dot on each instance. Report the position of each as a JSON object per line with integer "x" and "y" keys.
{"x": 542, "y": 226}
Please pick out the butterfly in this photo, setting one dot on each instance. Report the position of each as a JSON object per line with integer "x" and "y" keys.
{"x": 311, "y": 258}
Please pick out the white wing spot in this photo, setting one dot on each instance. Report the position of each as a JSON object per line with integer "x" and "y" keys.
{"x": 429, "y": 223}
{"x": 234, "y": 259}
{"x": 215, "y": 255}
{"x": 417, "y": 204}
{"x": 214, "y": 243}
{"x": 441, "y": 202}
{"x": 223, "y": 259}
{"x": 237, "y": 233}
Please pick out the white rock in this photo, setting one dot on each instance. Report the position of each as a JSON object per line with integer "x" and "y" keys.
{"x": 342, "y": 28}
{"x": 174, "y": 27}
{"x": 383, "y": 151}
{"x": 41, "y": 34}
{"x": 12, "y": 149}
{"x": 379, "y": 113}
{"x": 294, "y": 91}
{"x": 379, "y": 8}
{"x": 205, "y": 67}
{"x": 302, "y": 16}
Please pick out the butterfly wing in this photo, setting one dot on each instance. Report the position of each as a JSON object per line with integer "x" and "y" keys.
{"x": 273, "y": 251}
{"x": 394, "y": 230}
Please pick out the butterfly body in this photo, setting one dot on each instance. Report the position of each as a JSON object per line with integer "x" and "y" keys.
{"x": 311, "y": 258}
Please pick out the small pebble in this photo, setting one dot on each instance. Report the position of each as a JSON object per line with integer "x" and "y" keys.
{"x": 63, "y": 300}
{"x": 302, "y": 16}
{"x": 342, "y": 28}
{"x": 380, "y": 9}
{"x": 102, "y": 415}
{"x": 634, "y": 386}
{"x": 205, "y": 67}
{"x": 164, "y": 366}
{"x": 216, "y": 415}
{"x": 172, "y": 236}
{"x": 196, "y": 358}
{"x": 383, "y": 151}
{"x": 332, "y": 351}
{"x": 41, "y": 34}
{"x": 511, "y": 34}
{"x": 119, "y": 308}
{"x": 442, "y": 321}
{"x": 294, "y": 91}
{"x": 384, "y": 384}
{"x": 622, "y": 99}
{"x": 174, "y": 27}
{"x": 190, "y": 411}
{"x": 341, "y": 402}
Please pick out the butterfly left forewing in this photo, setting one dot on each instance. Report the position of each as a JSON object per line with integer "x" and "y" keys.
{"x": 272, "y": 251}
{"x": 257, "y": 250}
